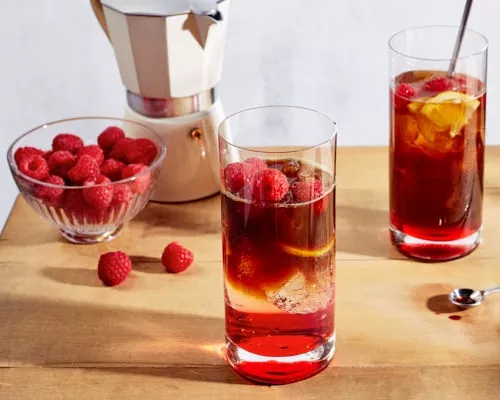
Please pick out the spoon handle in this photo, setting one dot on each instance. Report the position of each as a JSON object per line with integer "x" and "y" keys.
{"x": 460, "y": 37}
{"x": 491, "y": 290}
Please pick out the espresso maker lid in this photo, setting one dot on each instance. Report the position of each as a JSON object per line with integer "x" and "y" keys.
{"x": 164, "y": 8}
{"x": 167, "y": 48}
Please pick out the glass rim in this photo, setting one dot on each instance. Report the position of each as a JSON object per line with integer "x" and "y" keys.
{"x": 282, "y": 106}
{"x": 13, "y": 166}
{"x": 483, "y": 48}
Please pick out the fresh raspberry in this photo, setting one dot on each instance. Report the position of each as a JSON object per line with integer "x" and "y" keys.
{"x": 47, "y": 154}
{"x": 51, "y": 195}
{"x": 113, "y": 267}
{"x": 438, "y": 84}
{"x": 176, "y": 258}
{"x": 68, "y": 142}
{"x": 270, "y": 185}
{"x": 238, "y": 175}
{"x": 307, "y": 190}
{"x": 403, "y": 93}
{"x": 141, "y": 183}
{"x": 85, "y": 168}
{"x": 109, "y": 137}
{"x": 118, "y": 150}
{"x": 122, "y": 194}
{"x": 93, "y": 151}
{"x": 22, "y": 152}
{"x": 60, "y": 162}
{"x": 141, "y": 151}
{"x": 35, "y": 166}
{"x": 98, "y": 196}
{"x": 256, "y": 163}
{"x": 76, "y": 208}
{"x": 112, "y": 169}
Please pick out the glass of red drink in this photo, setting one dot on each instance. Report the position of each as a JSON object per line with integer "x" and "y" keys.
{"x": 278, "y": 233}
{"x": 436, "y": 142}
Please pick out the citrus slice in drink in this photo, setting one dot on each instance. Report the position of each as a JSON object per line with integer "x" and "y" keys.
{"x": 450, "y": 111}
{"x": 307, "y": 252}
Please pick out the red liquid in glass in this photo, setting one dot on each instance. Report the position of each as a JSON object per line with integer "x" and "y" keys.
{"x": 436, "y": 171}
{"x": 279, "y": 277}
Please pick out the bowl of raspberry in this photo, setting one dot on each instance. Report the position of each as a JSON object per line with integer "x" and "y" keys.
{"x": 87, "y": 176}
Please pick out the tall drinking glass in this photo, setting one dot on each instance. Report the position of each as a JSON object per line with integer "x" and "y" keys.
{"x": 436, "y": 142}
{"x": 278, "y": 234}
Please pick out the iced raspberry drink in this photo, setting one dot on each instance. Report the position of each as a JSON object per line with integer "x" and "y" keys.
{"x": 436, "y": 163}
{"x": 278, "y": 231}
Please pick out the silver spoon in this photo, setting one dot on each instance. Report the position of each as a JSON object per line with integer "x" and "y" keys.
{"x": 460, "y": 37}
{"x": 466, "y": 298}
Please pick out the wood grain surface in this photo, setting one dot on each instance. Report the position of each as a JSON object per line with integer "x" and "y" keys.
{"x": 65, "y": 336}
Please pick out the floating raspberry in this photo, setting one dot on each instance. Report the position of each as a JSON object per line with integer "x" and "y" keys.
{"x": 99, "y": 197}
{"x": 68, "y": 142}
{"x": 141, "y": 183}
{"x": 122, "y": 195}
{"x": 93, "y": 151}
{"x": 22, "y": 152}
{"x": 307, "y": 190}
{"x": 85, "y": 168}
{"x": 109, "y": 137}
{"x": 118, "y": 150}
{"x": 141, "y": 151}
{"x": 438, "y": 84}
{"x": 270, "y": 185}
{"x": 35, "y": 166}
{"x": 402, "y": 94}
{"x": 60, "y": 162}
{"x": 238, "y": 175}
{"x": 256, "y": 163}
{"x": 176, "y": 258}
{"x": 51, "y": 195}
{"x": 114, "y": 267}
{"x": 112, "y": 169}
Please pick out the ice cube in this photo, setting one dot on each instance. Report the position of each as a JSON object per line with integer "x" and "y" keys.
{"x": 298, "y": 295}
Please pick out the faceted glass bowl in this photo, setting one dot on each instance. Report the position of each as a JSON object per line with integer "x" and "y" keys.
{"x": 77, "y": 221}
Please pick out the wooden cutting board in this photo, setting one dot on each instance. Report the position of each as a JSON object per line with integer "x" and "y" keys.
{"x": 65, "y": 336}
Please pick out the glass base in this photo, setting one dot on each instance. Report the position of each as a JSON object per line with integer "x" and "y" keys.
{"x": 433, "y": 251}
{"x": 90, "y": 238}
{"x": 279, "y": 370}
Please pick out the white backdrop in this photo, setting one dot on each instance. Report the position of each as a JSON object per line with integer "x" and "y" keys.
{"x": 326, "y": 54}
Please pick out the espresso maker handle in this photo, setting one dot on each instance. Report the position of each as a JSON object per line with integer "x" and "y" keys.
{"x": 99, "y": 13}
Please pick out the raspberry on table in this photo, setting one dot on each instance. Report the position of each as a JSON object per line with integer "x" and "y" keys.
{"x": 51, "y": 195}
{"x": 85, "y": 168}
{"x": 109, "y": 136}
{"x": 176, "y": 258}
{"x": 141, "y": 183}
{"x": 112, "y": 169}
{"x": 99, "y": 197}
{"x": 34, "y": 166}
{"x": 141, "y": 151}
{"x": 118, "y": 150}
{"x": 270, "y": 185}
{"x": 60, "y": 162}
{"x": 22, "y": 152}
{"x": 237, "y": 175}
{"x": 307, "y": 190}
{"x": 93, "y": 151}
{"x": 402, "y": 94}
{"x": 438, "y": 84}
{"x": 68, "y": 142}
{"x": 113, "y": 268}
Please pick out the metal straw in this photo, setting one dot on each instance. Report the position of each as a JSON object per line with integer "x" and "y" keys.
{"x": 460, "y": 37}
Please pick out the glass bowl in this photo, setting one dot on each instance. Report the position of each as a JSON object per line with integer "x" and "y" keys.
{"x": 89, "y": 213}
